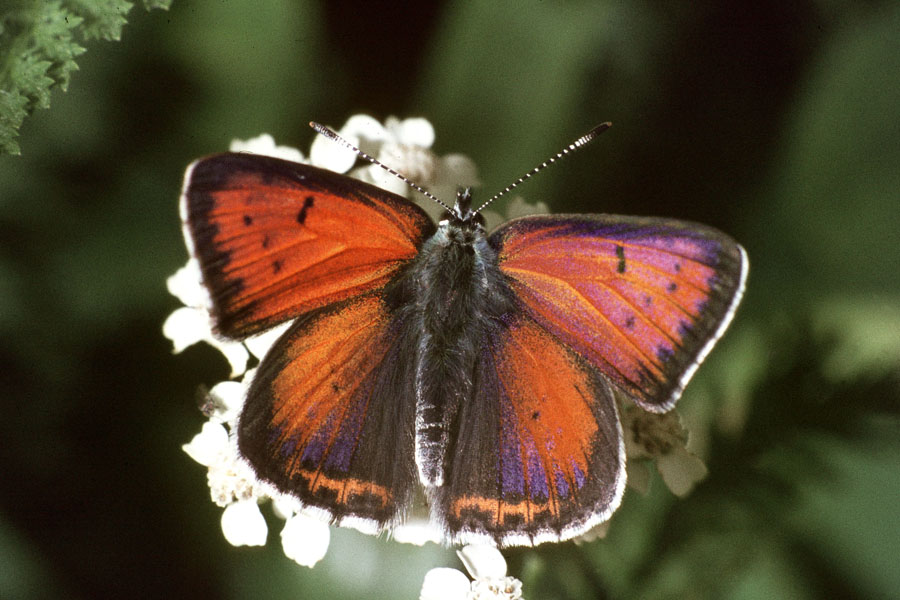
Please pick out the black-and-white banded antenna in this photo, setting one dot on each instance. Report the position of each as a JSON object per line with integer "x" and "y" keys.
{"x": 586, "y": 138}
{"x": 335, "y": 137}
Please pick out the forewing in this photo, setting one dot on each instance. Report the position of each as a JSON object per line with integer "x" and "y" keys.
{"x": 642, "y": 299}
{"x": 539, "y": 454}
{"x": 329, "y": 416}
{"x": 276, "y": 239}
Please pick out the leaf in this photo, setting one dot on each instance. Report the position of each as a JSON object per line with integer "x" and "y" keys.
{"x": 151, "y": 4}
{"x": 103, "y": 19}
{"x": 38, "y": 47}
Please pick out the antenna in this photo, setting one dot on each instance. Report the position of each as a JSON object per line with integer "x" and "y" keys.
{"x": 588, "y": 137}
{"x": 335, "y": 137}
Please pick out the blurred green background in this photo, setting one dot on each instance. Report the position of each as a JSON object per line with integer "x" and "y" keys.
{"x": 775, "y": 122}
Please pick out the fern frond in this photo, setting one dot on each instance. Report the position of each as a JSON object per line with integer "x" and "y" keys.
{"x": 39, "y": 41}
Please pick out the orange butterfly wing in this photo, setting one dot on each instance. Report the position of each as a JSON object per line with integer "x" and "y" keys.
{"x": 642, "y": 299}
{"x": 539, "y": 454}
{"x": 329, "y": 415}
{"x": 276, "y": 239}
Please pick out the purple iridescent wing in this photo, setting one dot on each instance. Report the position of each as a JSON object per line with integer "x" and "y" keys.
{"x": 329, "y": 415}
{"x": 539, "y": 453}
{"x": 641, "y": 299}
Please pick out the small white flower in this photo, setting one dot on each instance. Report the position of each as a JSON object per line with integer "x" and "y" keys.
{"x": 188, "y": 326}
{"x": 453, "y": 171}
{"x": 207, "y": 446}
{"x": 597, "y": 532}
{"x": 366, "y": 129}
{"x": 259, "y": 344}
{"x": 412, "y": 132}
{"x": 265, "y": 145}
{"x": 508, "y": 588}
{"x": 405, "y": 147}
{"x": 663, "y": 439}
{"x": 305, "y": 539}
{"x": 483, "y": 562}
{"x": 444, "y": 583}
{"x": 488, "y": 570}
{"x": 243, "y": 524}
{"x": 417, "y": 531}
{"x": 332, "y": 155}
{"x": 402, "y": 146}
{"x": 681, "y": 470}
{"x": 231, "y": 479}
{"x": 191, "y": 323}
{"x": 284, "y": 506}
{"x": 187, "y": 285}
{"x": 228, "y": 397}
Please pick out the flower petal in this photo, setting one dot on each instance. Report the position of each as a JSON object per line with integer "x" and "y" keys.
{"x": 332, "y": 155}
{"x": 235, "y": 353}
{"x": 285, "y": 506}
{"x": 506, "y": 588}
{"x": 482, "y": 561}
{"x": 206, "y": 446}
{"x": 594, "y": 533}
{"x": 243, "y": 524}
{"x": 416, "y": 532}
{"x": 265, "y": 144}
{"x": 186, "y": 284}
{"x": 260, "y": 344}
{"x": 681, "y": 470}
{"x": 305, "y": 540}
{"x": 186, "y": 326}
{"x": 444, "y": 583}
{"x": 229, "y": 397}
{"x": 365, "y": 127}
{"x": 637, "y": 475}
{"x": 415, "y": 132}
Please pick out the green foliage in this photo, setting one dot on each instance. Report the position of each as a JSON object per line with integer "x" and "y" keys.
{"x": 38, "y": 44}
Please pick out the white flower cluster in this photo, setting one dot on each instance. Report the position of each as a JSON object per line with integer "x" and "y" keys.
{"x": 489, "y": 580}
{"x": 234, "y": 486}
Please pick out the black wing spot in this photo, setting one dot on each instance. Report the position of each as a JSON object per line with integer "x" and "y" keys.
{"x": 307, "y": 204}
{"x": 672, "y": 287}
{"x": 620, "y": 253}
{"x": 248, "y": 220}
{"x": 276, "y": 266}
{"x": 678, "y": 267}
{"x": 266, "y": 240}
{"x": 648, "y": 300}
{"x": 629, "y": 322}
{"x": 536, "y": 415}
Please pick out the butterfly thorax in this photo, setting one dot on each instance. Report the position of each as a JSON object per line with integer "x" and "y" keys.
{"x": 455, "y": 294}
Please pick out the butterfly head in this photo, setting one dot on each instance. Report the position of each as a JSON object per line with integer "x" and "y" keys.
{"x": 462, "y": 213}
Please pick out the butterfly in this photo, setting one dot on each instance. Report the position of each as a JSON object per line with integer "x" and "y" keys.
{"x": 479, "y": 367}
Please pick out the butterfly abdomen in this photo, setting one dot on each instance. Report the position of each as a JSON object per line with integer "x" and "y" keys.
{"x": 458, "y": 294}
